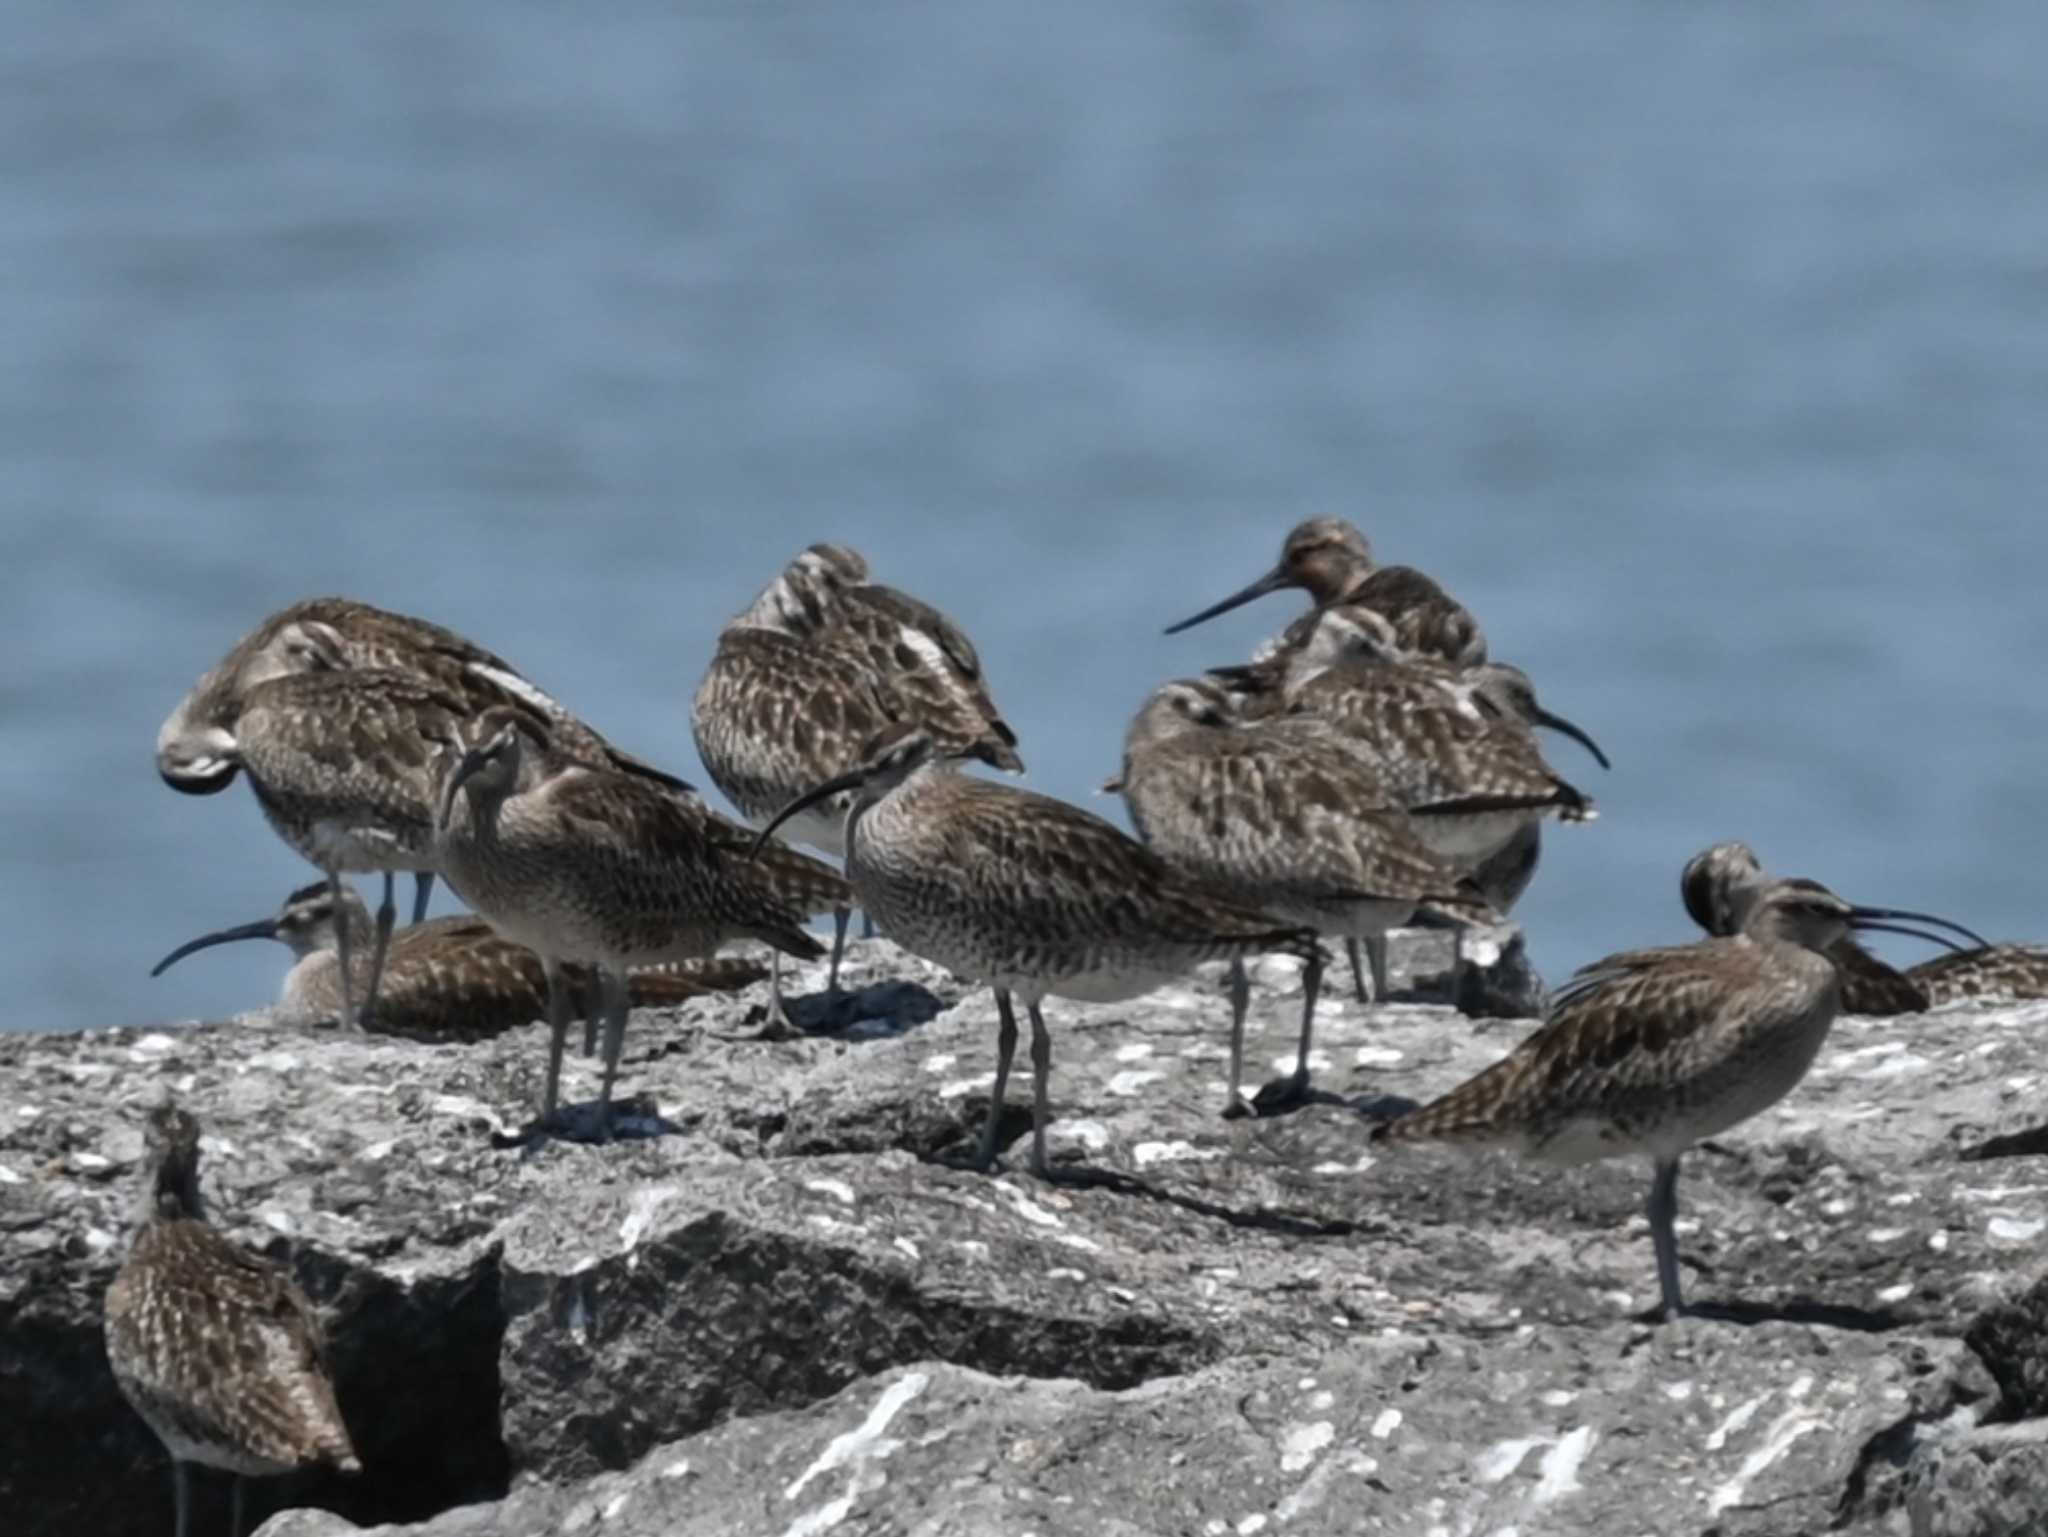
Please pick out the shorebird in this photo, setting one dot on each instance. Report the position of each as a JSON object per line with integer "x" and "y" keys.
{"x": 1649, "y": 1051}
{"x": 1454, "y": 747}
{"x": 1330, "y": 560}
{"x": 195, "y": 746}
{"x": 586, "y": 865}
{"x": 343, "y": 765}
{"x": 446, "y": 978}
{"x": 812, "y": 670}
{"x": 1034, "y": 897}
{"x": 1720, "y": 883}
{"x": 1282, "y": 817}
{"x": 216, "y": 1348}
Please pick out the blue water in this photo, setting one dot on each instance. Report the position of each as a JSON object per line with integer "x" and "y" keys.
{"x": 1700, "y": 350}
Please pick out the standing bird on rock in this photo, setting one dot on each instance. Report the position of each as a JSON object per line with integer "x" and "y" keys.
{"x": 592, "y": 866}
{"x": 1283, "y": 817}
{"x": 343, "y": 765}
{"x": 216, "y": 1348}
{"x": 1721, "y": 882}
{"x": 1649, "y": 1051}
{"x": 1330, "y": 560}
{"x": 818, "y": 664}
{"x": 1455, "y": 747}
{"x": 195, "y": 747}
{"x": 1033, "y": 896}
{"x": 453, "y": 978}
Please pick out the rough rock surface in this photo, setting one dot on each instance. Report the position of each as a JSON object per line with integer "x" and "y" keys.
{"x": 779, "y": 1311}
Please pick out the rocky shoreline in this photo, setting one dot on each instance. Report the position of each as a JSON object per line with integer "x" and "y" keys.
{"x": 784, "y": 1313}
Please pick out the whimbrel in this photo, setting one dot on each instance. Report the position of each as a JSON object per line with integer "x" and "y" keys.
{"x": 1283, "y": 817}
{"x": 343, "y": 765}
{"x": 812, "y": 670}
{"x": 1034, "y": 897}
{"x": 589, "y": 865}
{"x": 1330, "y": 560}
{"x": 1650, "y": 1051}
{"x": 1719, "y": 883}
{"x": 195, "y": 745}
{"x": 216, "y": 1348}
{"x": 447, "y": 978}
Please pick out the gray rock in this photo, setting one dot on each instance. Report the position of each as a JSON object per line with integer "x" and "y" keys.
{"x": 1231, "y": 1321}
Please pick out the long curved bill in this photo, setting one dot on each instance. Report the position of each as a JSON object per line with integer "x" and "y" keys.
{"x": 471, "y": 759}
{"x": 264, "y": 928}
{"x": 852, "y": 780}
{"x": 1272, "y": 581}
{"x": 1564, "y": 727}
{"x": 1868, "y": 918}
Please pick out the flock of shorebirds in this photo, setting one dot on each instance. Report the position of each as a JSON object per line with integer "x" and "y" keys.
{"x": 1369, "y": 768}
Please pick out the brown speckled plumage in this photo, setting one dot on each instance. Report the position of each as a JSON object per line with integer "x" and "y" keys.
{"x": 1331, "y": 561}
{"x": 1649, "y": 1051}
{"x": 818, "y": 664}
{"x": 815, "y": 667}
{"x": 2017, "y": 972}
{"x": 217, "y": 1348}
{"x": 1031, "y": 895}
{"x": 1721, "y": 882}
{"x": 453, "y": 978}
{"x": 1453, "y": 748}
{"x": 1284, "y": 817}
{"x": 335, "y": 634}
{"x": 585, "y": 864}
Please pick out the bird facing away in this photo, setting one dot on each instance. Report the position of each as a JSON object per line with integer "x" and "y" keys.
{"x": 195, "y": 747}
{"x": 1649, "y": 1051}
{"x": 453, "y": 978}
{"x": 216, "y": 1348}
{"x": 1034, "y": 897}
{"x": 1284, "y": 817}
{"x": 1719, "y": 884}
{"x": 587, "y": 865}
{"x": 1330, "y": 560}
{"x": 806, "y": 676}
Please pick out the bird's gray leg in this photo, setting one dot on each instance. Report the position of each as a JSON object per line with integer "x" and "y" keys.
{"x": 348, "y": 1011}
{"x": 1006, "y": 1048}
{"x": 235, "y": 1527}
{"x": 867, "y": 924}
{"x": 1240, "y": 1001}
{"x": 558, "y": 1035}
{"x": 1664, "y": 1233}
{"x": 1311, "y": 989}
{"x": 1357, "y": 967}
{"x": 1286, "y": 1093}
{"x": 181, "y": 1493}
{"x": 593, "y": 1014}
{"x": 1376, "y": 952}
{"x": 841, "y": 916}
{"x": 387, "y": 920}
{"x": 1041, "y": 1098}
{"x": 618, "y": 1004}
{"x": 422, "y": 891}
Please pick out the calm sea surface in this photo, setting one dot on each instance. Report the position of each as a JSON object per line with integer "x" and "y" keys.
{"x": 1702, "y": 351}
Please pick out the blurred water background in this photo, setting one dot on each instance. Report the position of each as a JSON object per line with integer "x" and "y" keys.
{"x": 1700, "y": 350}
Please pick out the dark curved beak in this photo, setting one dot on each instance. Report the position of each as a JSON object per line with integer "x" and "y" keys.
{"x": 1272, "y": 581}
{"x": 852, "y": 780}
{"x": 1867, "y": 918}
{"x": 1564, "y": 727}
{"x": 198, "y": 784}
{"x": 471, "y": 760}
{"x": 265, "y": 928}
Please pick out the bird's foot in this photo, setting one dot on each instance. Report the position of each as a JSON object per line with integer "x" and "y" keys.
{"x": 1281, "y": 1095}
